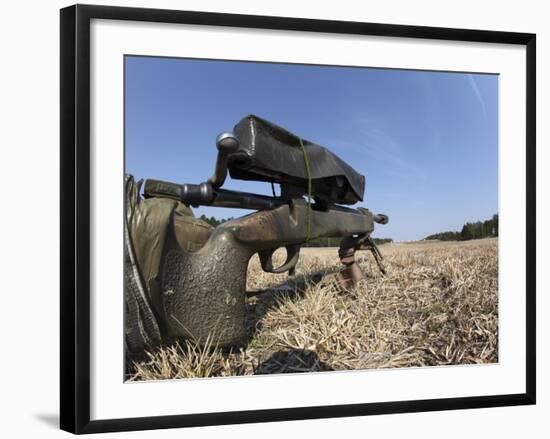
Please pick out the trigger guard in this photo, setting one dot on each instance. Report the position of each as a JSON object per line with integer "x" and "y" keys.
{"x": 293, "y": 254}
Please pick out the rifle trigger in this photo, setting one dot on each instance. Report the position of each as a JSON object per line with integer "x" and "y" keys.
{"x": 293, "y": 254}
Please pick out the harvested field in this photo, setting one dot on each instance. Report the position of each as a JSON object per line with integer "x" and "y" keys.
{"x": 437, "y": 306}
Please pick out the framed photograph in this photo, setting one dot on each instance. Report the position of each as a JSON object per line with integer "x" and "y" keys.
{"x": 274, "y": 218}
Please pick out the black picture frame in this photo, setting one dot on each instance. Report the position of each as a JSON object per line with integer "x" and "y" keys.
{"x": 75, "y": 217}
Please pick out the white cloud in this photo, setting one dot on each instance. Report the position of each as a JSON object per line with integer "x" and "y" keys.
{"x": 477, "y": 93}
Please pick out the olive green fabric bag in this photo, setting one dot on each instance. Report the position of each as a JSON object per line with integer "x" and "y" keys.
{"x": 145, "y": 226}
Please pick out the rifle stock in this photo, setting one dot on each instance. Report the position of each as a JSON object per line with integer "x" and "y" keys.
{"x": 203, "y": 292}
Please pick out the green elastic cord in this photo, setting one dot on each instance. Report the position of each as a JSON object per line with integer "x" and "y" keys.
{"x": 308, "y": 172}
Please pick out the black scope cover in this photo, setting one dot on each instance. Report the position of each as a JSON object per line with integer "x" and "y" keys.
{"x": 270, "y": 153}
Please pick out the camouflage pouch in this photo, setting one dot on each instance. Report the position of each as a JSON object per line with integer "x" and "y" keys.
{"x": 145, "y": 227}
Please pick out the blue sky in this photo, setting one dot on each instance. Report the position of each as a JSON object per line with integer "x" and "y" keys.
{"x": 427, "y": 142}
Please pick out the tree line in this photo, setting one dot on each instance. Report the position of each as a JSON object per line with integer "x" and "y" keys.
{"x": 470, "y": 230}
{"x": 475, "y": 230}
{"x": 214, "y": 222}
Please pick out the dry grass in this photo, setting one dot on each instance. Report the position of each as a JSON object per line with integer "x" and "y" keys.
{"x": 436, "y": 306}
